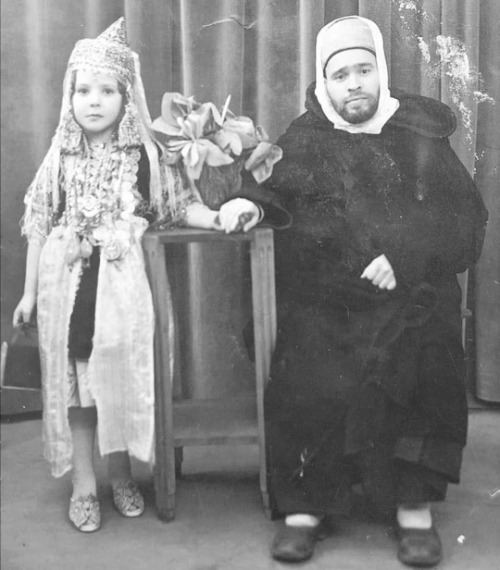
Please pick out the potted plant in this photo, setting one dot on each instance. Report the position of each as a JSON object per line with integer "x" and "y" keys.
{"x": 212, "y": 146}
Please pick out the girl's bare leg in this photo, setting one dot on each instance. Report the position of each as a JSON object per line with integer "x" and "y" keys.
{"x": 83, "y": 423}
{"x": 119, "y": 470}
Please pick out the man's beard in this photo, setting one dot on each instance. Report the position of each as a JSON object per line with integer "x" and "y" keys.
{"x": 359, "y": 114}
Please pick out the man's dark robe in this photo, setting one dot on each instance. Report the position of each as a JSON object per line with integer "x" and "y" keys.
{"x": 367, "y": 384}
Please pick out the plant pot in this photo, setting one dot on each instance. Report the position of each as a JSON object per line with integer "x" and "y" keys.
{"x": 218, "y": 183}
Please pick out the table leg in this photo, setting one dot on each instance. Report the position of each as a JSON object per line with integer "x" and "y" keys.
{"x": 179, "y": 457}
{"x": 164, "y": 471}
{"x": 264, "y": 315}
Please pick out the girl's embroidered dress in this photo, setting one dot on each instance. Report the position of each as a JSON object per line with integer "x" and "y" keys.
{"x": 87, "y": 209}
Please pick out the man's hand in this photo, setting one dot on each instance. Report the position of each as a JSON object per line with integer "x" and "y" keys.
{"x": 380, "y": 273}
{"x": 238, "y": 214}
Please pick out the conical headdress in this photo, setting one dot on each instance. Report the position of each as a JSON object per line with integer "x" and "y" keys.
{"x": 108, "y": 53}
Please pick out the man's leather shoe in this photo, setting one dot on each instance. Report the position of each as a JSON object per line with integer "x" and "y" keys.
{"x": 296, "y": 543}
{"x": 419, "y": 547}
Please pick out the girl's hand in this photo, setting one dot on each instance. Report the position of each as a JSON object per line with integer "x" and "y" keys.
{"x": 24, "y": 310}
{"x": 237, "y": 215}
{"x": 380, "y": 273}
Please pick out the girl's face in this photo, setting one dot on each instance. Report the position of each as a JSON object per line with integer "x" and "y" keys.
{"x": 97, "y": 104}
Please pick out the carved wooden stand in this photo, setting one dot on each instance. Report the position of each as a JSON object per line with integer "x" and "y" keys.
{"x": 215, "y": 421}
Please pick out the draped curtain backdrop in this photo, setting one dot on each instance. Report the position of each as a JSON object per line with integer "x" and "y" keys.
{"x": 261, "y": 52}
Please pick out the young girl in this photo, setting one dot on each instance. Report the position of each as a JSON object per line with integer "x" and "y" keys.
{"x": 99, "y": 185}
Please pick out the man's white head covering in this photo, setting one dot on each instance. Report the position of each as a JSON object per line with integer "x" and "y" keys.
{"x": 353, "y": 32}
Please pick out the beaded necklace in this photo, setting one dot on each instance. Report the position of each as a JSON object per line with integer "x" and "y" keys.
{"x": 100, "y": 194}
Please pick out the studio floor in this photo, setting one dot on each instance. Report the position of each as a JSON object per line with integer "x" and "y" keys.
{"x": 220, "y": 524}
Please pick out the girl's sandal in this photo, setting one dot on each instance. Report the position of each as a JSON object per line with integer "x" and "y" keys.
{"x": 127, "y": 499}
{"x": 85, "y": 513}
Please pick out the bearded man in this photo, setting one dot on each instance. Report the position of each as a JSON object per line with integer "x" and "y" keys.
{"x": 367, "y": 383}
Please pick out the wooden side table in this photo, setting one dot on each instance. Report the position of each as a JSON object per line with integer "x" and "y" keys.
{"x": 213, "y": 421}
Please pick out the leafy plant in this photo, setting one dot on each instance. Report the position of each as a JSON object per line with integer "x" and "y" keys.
{"x": 198, "y": 134}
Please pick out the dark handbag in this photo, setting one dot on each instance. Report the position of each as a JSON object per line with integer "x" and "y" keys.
{"x": 21, "y": 359}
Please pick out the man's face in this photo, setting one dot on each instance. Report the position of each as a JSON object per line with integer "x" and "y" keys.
{"x": 353, "y": 84}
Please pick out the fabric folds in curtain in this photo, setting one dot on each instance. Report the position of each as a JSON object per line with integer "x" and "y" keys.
{"x": 487, "y": 273}
{"x": 261, "y": 52}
